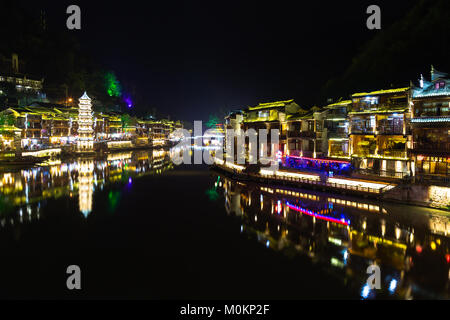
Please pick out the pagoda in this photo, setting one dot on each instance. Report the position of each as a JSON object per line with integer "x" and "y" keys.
{"x": 85, "y": 141}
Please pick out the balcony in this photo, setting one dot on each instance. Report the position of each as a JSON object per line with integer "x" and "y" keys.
{"x": 307, "y": 134}
{"x": 435, "y": 148}
{"x": 308, "y": 154}
{"x": 339, "y": 153}
{"x": 364, "y": 152}
{"x": 430, "y": 122}
{"x": 397, "y": 130}
{"x": 295, "y": 153}
{"x": 337, "y": 135}
{"x": 302, "y": 134}
{"x": 393, "y": 153}
{"x": 294, "y": 134}
{"x": 382, "y": 107}
{"x": 336, "y": 115}
{"x": 362, "y": 130}
{"x": 383, "y": 173}
{"x": 33, "y": 134}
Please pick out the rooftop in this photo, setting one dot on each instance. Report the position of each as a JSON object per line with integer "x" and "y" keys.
{"x": 340, "y": 103}
{"x": 380, "y": 92}
{"x": 269, "y": 105}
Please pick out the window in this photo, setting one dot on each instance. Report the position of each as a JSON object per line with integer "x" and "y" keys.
{"x": 372, "y": 121}
{"x": 318, "y": 126}
{"x": 439, "y": 85}
{"x": 263, "y": 114}
{"x": 371, "y": 100}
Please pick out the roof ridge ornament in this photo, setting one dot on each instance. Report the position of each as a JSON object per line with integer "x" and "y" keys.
{"x": 436, "y": 74}
{"x": 85, "y": 96}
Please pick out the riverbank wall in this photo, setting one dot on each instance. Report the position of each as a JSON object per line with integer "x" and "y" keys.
{"x": 426, "y": 195}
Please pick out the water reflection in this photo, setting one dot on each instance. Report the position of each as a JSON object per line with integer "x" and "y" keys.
{"x": 23, "y": 190}
{"x": 85, "y": 184}
{"x": 345, "y": 235}
{"x": 342, "y": 235}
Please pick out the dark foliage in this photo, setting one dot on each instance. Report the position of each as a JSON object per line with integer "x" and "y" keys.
{"x": 399, "y": 53}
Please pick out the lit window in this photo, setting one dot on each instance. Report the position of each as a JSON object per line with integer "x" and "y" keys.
{"x": 263, "y": 114}
{"x": 439, "y": 85}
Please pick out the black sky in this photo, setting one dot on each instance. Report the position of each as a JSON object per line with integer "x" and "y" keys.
{"x": 191, "y": 59}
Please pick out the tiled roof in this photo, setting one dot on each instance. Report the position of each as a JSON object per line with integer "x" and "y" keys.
{"x": 340, "y": 103}
{"x": 379, "y": 92}
{"x": 268, "y": 105}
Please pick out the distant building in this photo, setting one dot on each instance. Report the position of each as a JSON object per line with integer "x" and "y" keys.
{"x": 45, "y": 124}
{"x": 16, "y": 86}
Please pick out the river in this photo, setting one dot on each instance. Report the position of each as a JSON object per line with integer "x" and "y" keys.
{"x": 140, "y": 227}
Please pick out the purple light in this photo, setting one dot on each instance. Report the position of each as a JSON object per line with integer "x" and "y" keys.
{"x": 128, "y": 101}
{"x": 130, "y": 180}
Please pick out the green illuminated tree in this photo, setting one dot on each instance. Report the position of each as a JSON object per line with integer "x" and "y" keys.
{"x": 212, "y": 122}
{"x": 7, "y": 119}
{"x": 125, "y": 119}
{"x": 212, "y": 194}
{"x": 113, "y": 86}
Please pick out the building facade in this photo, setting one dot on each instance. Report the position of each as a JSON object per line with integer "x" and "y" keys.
{"x": 305, "y": 134}
{"x": 269, "y": 116}
{"x": 336, "y": 124}
{"x": 43, "y": 125}
{"x": 16, "y": 86}
{"x": 379, "y": 132}
{"x": 393, "y": 133}
{"x": 430, "y": 125}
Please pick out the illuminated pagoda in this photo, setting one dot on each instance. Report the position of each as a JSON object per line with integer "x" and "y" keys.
{"x": 85, "y": 132}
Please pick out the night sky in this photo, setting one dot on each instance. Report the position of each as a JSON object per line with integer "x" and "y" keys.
{"x": 194, "y": 59}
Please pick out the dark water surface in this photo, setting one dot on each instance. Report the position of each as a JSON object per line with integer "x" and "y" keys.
{"x": 139, "y": 227}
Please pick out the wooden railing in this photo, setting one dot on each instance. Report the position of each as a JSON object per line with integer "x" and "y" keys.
{"x": 324, "y": 184}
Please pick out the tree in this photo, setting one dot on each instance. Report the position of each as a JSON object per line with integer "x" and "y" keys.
{"x": 113, "y": 86}
{"x": 393, "y": 57}
{"x": 212, "y": 122}
{"x": 7, "y": 119}
{"x": 125, "y": 119}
